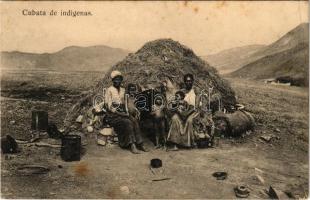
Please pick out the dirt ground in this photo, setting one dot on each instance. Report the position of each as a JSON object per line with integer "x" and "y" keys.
{"x": 110, "y": 172}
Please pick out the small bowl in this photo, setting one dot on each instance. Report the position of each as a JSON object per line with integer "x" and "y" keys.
{"x": 220, "y": 175}
{"x": 156, "y": 163}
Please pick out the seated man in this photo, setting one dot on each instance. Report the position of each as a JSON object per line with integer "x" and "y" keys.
{"x": 126, "y": 127}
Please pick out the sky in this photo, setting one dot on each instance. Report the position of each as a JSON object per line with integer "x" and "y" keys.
{"x": 206, "y": 27}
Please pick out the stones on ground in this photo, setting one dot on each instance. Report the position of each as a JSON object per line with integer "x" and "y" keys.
{"x": 258, "y": 170}
{"x": 106, "y": 131}
{"x": 79, "y": 119}
{"x": 101, "y": 142}
{"x": 277, "y": 130}
{"x": 110, "y": 140}
{"x": 12, "y": 122}
{"x": 269, "y": 138}
{"x": 260, "y": 179}
{"x": 84, "y": 124}
{"x": 90, "y": 129}
{"x": 124, "y": 189}
{"x": 259, "y": 175}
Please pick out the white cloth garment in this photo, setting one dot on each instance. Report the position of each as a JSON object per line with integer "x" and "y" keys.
{"x": 114, "y": 95}
{"x": 190, "y": 97}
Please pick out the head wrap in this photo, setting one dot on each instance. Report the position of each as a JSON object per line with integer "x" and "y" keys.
{"x": 115, "y": 73}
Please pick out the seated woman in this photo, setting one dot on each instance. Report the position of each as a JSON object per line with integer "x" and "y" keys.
{"x": 126, "y": 127}
{"x": 181, "y": 129}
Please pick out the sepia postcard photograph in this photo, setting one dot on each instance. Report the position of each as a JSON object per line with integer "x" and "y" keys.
{"x": 154, "y": 99}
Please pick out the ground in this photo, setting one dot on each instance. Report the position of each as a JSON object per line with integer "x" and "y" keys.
{"x": 110, "y": 172}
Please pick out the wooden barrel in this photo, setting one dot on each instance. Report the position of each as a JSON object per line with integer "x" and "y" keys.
{"x": 39, "y": 120}
{"x": 71, "y": 148}
{"x": 234, "y": 124}
{"x": 240, "y": 122}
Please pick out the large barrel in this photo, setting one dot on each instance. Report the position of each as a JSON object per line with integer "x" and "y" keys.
{"x": 235, "y": 123}
{"x": 39, "y": 120}
{"x": 71, "y": 148}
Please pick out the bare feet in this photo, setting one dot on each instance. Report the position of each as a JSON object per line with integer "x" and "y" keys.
{"x": 175, "y": 148}
{"x": 142, "y": 148}
{"x": 134, "y": 149}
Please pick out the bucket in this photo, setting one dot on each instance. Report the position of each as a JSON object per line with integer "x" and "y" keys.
{"x": 71, "y": 148}
{"x": 39, "y": 120}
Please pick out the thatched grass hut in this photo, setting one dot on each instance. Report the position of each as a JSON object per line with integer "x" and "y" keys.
{"x": 157, "y": 61}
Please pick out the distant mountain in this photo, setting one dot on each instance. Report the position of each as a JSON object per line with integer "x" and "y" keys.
{"x": 299, "y": 34}
{"x": 288, "y": 56}
{"x": 73, "y": 58}
{"x": 230, "y": 60}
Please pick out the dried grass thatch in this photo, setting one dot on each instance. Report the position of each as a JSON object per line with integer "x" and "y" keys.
{"x": 160, "y": 60}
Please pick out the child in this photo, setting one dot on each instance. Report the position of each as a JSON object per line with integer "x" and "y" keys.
{"x": 159, "y": 118}
{"x": 182, "y": 109}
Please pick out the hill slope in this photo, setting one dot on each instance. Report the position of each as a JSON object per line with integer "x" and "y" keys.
{"x": 288, "y": 56}
{"x": 292, "y": 62}
{"x": 299, "y": 34}
{"x": 94, "y": 58}
{"x": 232, "y": 59}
